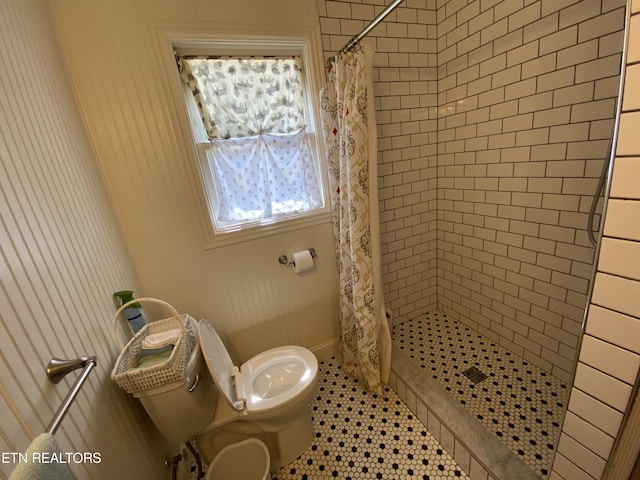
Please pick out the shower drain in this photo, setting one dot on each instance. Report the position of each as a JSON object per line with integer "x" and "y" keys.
{"x": 474, "y": 374}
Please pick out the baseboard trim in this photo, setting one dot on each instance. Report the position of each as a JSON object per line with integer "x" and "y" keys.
{"x": 327, "y": 350}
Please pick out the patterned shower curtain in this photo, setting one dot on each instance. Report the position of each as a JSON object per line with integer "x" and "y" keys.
{"x": 348, "y": 119}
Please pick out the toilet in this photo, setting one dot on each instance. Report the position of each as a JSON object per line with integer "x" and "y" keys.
{"x": 266, "y": 398}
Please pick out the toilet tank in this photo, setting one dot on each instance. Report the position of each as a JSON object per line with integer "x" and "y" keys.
{"x": 182, "y": 408}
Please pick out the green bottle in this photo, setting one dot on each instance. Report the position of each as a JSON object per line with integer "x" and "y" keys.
{"x": 133, "y": 312}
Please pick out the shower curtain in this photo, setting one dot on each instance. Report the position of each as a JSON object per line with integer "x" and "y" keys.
{"x": 348, "y": 120}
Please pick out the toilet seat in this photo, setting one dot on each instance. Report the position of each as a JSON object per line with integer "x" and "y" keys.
{"x": 219, "y": 364}
{"x": 268, "y": 380}
{"x": 273, "y": 378}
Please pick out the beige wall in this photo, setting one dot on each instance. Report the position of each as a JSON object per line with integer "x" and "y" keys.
{"x": 120, "y": 61}
{"x": 61, "y": 257}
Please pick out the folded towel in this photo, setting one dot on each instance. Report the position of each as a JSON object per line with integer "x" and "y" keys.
{"x": 152, "y": 360}
{"x": 41, "y": 464}
{"x": 161, "y": 339}
{"x": 145, "y": 352}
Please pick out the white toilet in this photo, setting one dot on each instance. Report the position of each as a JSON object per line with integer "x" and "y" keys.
{"x": 267, "y": 398}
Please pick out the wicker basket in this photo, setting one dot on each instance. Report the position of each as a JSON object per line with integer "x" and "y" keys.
{"x": 129, "y": 375}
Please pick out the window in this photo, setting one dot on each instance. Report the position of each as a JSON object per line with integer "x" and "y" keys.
{"x": 253, "y": 126}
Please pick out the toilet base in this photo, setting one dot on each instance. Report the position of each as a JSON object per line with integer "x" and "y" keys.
{"x": 292, "y": 442}
{"x": 284, "y": 446}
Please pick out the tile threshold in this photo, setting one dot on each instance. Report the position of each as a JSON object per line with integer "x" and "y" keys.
{"x": 438, "y": 411}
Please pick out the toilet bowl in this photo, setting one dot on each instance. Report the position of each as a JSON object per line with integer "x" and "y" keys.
{"x": 265, "y": 382}
{"x": 266, "y": 398}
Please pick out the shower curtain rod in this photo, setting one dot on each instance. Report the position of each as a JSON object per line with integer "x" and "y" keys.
{"x": 354, "y": 40}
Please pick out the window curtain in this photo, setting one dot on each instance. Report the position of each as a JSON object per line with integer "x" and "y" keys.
{"x": 348, "y": 118}
{"x": 263, "y": 176}
{"x": 246, "y": 97}
{"x": 253, "y": 114}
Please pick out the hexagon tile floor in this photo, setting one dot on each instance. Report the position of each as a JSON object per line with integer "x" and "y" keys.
{"x": 512, "y": 398}
{"x": 360, "y": 435}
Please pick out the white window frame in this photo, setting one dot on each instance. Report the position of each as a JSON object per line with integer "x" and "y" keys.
{"x": 230, "y": 45}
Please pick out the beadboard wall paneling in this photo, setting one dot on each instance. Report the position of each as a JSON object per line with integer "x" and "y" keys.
{"x": 131, "y": 100}
{"x": 61, "y": 257}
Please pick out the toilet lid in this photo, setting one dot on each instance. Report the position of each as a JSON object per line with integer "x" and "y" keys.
{"x": 219, "y": 363}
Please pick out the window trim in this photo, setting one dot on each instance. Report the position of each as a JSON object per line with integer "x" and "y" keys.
{"x": 307, "y": 46}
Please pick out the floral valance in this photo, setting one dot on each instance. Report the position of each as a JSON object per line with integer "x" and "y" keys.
{"x": 246, "y": 97}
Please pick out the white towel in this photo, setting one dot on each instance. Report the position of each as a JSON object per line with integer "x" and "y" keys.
{"x": 161, "y": 339}
{"x": 39, "y": 464}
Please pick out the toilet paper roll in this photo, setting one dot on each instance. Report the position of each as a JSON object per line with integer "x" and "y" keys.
{"x": 302, "y": 261}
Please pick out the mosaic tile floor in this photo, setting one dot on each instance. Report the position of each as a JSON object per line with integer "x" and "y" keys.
{"x": 360, "y": 435}
{"x": 512, "y": 398}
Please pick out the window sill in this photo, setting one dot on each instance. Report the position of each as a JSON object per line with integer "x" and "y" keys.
{"x": 224, "y": 239}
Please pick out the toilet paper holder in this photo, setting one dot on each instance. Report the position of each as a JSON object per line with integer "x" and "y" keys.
{"x": 285, "y": 261}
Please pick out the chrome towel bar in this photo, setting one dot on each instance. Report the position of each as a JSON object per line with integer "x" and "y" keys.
{"x": 56, "y": 370}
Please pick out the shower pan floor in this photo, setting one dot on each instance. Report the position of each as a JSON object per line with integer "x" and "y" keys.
{"x": 512, "y": 398}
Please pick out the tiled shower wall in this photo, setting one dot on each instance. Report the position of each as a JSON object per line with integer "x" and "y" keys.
{"x": 609, "y": 359}
{"x": 406, "y": 88}
{"x": 493, "y": 123}
{"x": 527, "y": 95}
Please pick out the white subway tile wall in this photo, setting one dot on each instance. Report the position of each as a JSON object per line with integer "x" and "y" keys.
{"x": 512, "y": 237}
{"x": 493, "y": 123}
{"x": 406, "y": 88}
{"x": 484, "y": 198}
{"x": 610, "y": 352}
